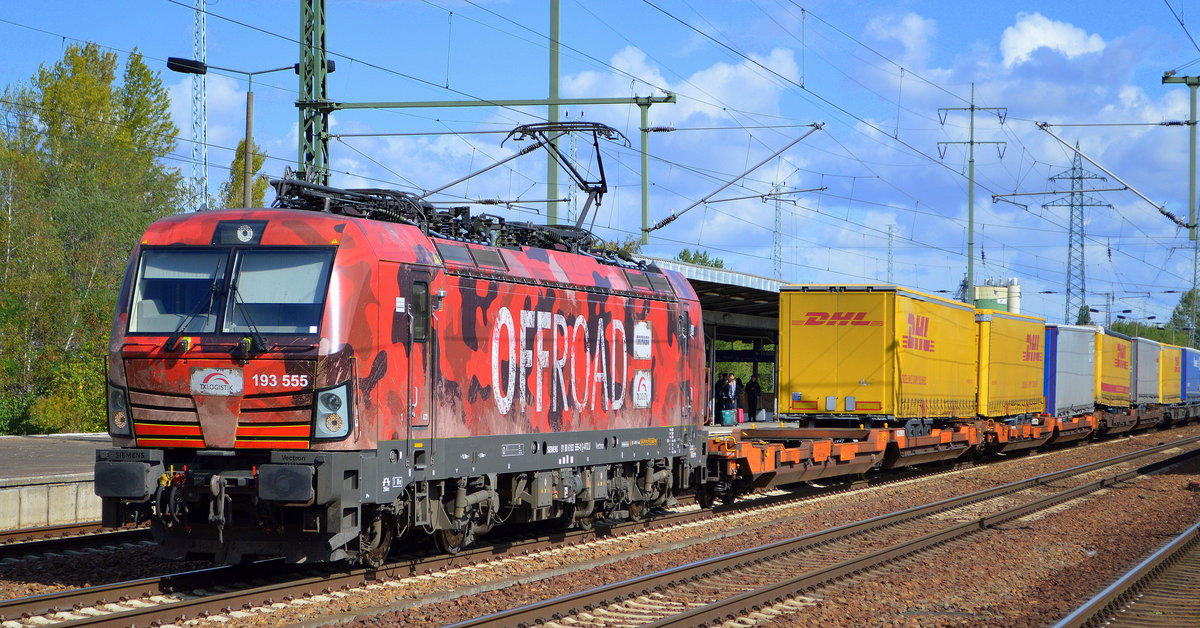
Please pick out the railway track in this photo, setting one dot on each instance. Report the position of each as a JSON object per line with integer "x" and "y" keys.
{"x": 19, "y": 544}
{"x": 1161, "y": 591}
{"x": 220, "y": 591}
{"x": 763, "y": 582}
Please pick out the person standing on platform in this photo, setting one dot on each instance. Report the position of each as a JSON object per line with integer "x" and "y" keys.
{"x": 731, "y": 392}
{"x": 753, "y": 390}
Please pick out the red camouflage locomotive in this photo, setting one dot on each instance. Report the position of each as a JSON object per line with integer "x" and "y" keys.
{"x": 319, "y": 379}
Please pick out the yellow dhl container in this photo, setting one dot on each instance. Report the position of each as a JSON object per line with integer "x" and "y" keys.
{"x": 1113, "y": 354}
{"x": 1170, "y": 373}
{"x": 875, "y": 350}
{"x": 1012, "y": 358}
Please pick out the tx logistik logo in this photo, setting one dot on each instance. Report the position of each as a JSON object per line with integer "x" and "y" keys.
{"x": 1033, "y": 349}
{"x": 1122, "y": 359}
{"x": 838, "y": 318}
{"x": 917, "y": 337}
{"x": 216, "y": 384}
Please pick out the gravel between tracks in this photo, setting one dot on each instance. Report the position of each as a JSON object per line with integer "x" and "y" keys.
{"x": 1027, "y": 572}
{"x": 463, "y": 593}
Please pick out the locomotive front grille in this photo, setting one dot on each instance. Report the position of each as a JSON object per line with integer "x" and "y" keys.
{"x": 275, "y": 421}
{"x": 163, "y": 420}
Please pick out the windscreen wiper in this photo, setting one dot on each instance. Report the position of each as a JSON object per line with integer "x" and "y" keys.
{"x": 247, "y": 346}
{"x": 172, "y": 343}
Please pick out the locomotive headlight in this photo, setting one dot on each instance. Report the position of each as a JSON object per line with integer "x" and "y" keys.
{"x": 331, "y": 402}
{"x": 118, "y": 412}
{"x": 332, "y": 415}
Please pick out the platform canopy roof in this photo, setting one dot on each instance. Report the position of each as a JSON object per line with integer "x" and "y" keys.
{"x": 730, "y": 298}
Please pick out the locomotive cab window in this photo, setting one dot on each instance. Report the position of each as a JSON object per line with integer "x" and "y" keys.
{"x": 209, "y": 290}
{"x": 420, "y": 312}
{"x": 178, "y": 290}
{"x": 278, "y": 291}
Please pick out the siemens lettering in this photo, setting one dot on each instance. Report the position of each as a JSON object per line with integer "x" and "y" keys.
{"x": 588, "y": 361}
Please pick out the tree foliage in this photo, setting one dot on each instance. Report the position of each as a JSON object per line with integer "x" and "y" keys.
{"x": 231, "y": 190}
{"x": 1085, "y": 316}
{"x": 700, "y": 258}
{"x": 81, "y": 175}
{"x": 1185, "y": 319}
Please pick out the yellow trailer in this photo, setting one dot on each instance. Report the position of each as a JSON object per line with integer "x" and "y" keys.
{"x": 1170, "y": 373}
{"x": 875, "y": 351}
{"x": 1113, "y": 355}
{"x": 1012, "y": 357}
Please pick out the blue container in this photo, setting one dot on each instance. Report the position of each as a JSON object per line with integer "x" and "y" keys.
{"x": 1190, "y": 390}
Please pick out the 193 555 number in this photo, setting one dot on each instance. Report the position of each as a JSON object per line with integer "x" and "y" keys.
{"x": 270, "y": 380}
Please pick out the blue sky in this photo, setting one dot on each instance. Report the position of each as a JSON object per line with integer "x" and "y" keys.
{"x": 749, "y": 75}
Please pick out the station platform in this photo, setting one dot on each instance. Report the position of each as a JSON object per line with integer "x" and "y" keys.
{"x": 46, "y": 480}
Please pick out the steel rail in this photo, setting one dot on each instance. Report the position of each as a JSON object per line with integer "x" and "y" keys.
{"x": 78, "y": 539}
{"x": 32, "y": 534}
{"x": 330, "y": 579}
{"x": 1136, "y": 583}
{"x": 593, "y": 598}
{"x": 224, "y": 576}
{"x": 731, "y": 608}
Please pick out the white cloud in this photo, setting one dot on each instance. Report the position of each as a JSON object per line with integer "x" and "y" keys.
{"x": 1034, "y": 31}
{"x": 744, "y": 86}
{"x": 912, "y": 31}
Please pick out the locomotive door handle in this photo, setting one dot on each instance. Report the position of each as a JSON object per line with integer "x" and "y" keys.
{"x": 412, "y": 405}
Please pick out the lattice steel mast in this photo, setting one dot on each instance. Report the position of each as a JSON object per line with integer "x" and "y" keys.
{"x": 199, "y": 114}
{"x": 1076, "y": 280}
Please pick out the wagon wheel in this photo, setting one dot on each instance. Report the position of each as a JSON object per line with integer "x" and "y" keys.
{"x": 706, "y": 495}
{"x": 375, "y": 540}
{"x": 450, "y": 541}
{"x": 637, "y": 510}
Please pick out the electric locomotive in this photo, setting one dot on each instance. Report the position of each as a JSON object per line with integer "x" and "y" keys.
{"x": 351, "y": 367}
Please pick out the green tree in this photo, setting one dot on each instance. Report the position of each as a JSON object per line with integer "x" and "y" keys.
{"x": 1085, "y": 316}
{"x": 1185, "y": 319}
{"x": 700, "y": 258}
{"x": 81, "y": 175}
{"x": 1143, "y": 329}
{"x": 231, "y": 190}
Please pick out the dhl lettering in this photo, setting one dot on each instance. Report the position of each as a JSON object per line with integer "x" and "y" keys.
{"x": 1122, "y": 359}
{"x": 598, "y": 378}
{"x": 918, "y": 332}
{"x": 838, "y": 318}
{"x": 1033, "y": 349}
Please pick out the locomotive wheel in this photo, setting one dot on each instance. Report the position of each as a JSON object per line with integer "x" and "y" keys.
{"x": 637, "y": 510}
{"x": 728, "y": 496}
{"x": 450, "y": 541}
{"x": 706, "y": 495}
{"x": 375, "y": 541}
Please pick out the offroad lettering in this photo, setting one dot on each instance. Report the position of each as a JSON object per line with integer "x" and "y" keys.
{"x": 592, "y": 355}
